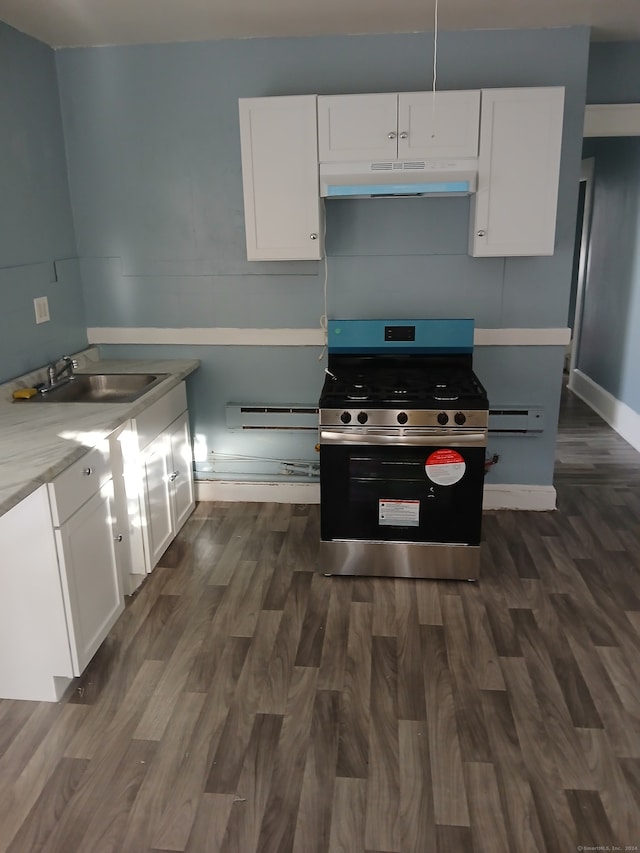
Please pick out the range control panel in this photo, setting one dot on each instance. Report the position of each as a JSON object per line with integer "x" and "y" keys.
{"x": 399, "y": 333}
{"x": 449, "y": 420}
{"x": 371, "y": 337}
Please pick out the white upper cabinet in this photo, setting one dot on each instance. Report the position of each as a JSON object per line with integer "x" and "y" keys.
{"x": 357, "y": 127}
{"x": 514, "y": 208}
{"x": 394, "y": 126}
{"x": 279, "y": 149}
{"x": 515, "y": 135}
{"x": 440, "y": 124}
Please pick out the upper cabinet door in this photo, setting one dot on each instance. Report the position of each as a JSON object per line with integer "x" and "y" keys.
{"x": 440, "y": 124}
{"x": 357, "y": 127}
{"x": 279, "y": 148}
{"x": 514, "y": 208}
{"x": 398, "y": 126}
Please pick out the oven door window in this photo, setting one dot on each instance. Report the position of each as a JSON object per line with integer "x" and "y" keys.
{"x": 410, "y": 494}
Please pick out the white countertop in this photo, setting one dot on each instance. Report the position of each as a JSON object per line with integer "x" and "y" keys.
{"x": 39, "y": 440}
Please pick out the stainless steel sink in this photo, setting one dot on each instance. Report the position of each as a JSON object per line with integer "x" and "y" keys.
{"x": 100, "y": 388}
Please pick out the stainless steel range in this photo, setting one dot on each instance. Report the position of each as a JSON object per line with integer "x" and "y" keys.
{"x": 403, "y": 432}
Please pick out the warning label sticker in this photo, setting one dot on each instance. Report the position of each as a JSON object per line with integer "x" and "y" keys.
{"x": 445, "y": 467}
{"x": 399, "y": 513}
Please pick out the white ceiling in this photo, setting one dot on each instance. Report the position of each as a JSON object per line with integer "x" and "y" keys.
{"x": 70, "y": 23}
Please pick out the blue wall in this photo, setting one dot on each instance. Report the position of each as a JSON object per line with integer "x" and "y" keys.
{"x": 154, "y": 168}
{"x": 614, "y": 76}
{"x": 609, "y": 351}
{"x": 37, "y": 242}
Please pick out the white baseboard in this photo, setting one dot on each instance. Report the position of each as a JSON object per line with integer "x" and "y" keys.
{"x": 514, "y": 496}
{"x": 496, "y": 496}
{"x": 620, "y": 417}
{"x": 283, "y": 493}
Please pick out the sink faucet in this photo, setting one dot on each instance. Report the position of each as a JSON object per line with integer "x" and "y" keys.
{"x": 55, "y": 374}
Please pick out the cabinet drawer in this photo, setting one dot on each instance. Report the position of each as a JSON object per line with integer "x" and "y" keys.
{"x": 160, "y": 414}
{"x": 79, "y": 482}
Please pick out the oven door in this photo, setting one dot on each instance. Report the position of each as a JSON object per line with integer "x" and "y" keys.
{"x": 402, "y": 486}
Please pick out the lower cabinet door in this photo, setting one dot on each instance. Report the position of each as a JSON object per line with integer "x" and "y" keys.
{"x": 182, "y": 470}
{"x": 158, "y": 491}
{"x": 89, "y": 574}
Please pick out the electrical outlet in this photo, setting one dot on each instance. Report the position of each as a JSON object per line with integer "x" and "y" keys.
{"x": 41, "y": 306}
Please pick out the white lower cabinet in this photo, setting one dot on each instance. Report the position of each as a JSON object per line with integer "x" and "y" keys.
{"x": 128, "y": 538}
{"x": 71, "y": 550}
{"x": 152, "y": 464}
{"x": 35, "y": 655}
{"x": 60, "y": 582}
{"x": 82, "y": 510}
{"x": 168, "y": 485}
{"x": 181, "y": 475}
{"x": 166, "y": 472}
{"x": 157, "y": 492}
{"x": 89, "y": 575}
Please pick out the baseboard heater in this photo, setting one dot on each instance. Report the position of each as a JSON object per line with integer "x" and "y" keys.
{"x": 511, "y": 420}
{"x": 253, "y": 416}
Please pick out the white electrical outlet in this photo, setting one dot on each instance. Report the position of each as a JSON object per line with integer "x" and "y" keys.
{"x": 41, "y": 305}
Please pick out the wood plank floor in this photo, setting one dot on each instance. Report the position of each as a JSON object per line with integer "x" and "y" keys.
{"x": 244, "y": 702}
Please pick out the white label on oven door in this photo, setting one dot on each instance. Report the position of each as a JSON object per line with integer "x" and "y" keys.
{"x": 399, "y": 513}
{"x": 445, "y": 467}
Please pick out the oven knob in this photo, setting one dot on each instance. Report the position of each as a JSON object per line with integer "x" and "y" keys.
{"x": 345, "y": 417}
{"x": 403, "y": 417}
{"x": 363, "y": 417}
{"x": 443, "y": 418}
{"x": 460, "y": 418}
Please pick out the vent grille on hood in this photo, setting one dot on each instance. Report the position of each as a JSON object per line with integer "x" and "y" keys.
{"x": 394, "y": 166}
{"x": 398, "y": 178}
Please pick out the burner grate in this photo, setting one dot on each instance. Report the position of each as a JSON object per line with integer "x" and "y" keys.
{"x": 408, "y": 385}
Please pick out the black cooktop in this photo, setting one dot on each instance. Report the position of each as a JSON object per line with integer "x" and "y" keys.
{"x": 403, "y": 383}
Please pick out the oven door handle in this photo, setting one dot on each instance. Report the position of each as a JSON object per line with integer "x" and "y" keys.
{"x": 471, "y": 439}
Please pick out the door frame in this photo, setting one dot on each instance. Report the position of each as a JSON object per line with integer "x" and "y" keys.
{"x": 586, "y": 175}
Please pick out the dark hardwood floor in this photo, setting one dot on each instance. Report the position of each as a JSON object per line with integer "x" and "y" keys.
{"x": 244, "y": 702}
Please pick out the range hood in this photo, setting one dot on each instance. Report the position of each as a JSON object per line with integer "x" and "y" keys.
{"x": 388, "y": 178}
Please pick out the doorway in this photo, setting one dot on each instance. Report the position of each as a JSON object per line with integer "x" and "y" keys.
{"x": 580, "y": 264}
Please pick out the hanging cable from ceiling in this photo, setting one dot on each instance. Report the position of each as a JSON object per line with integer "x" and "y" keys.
{"x": 435, "y": 69}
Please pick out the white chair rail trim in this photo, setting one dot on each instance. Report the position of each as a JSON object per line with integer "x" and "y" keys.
{"x": 223, "y": 336}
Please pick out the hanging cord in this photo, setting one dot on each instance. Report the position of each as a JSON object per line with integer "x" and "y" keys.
{"x": 323, "y": 319}
{"x": 435, "y": 69}
{"x": 324, "y": 323}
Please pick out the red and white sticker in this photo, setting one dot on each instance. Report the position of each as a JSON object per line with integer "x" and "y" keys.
{"x": 445, "y": 467}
